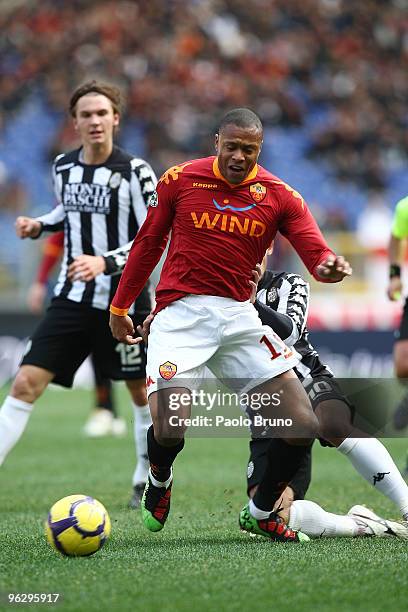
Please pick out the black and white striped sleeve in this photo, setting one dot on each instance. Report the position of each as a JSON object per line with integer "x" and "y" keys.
{"x": 52, "y": 221}
{"x": 294, "y": 294}
{"x": 116, "y": 260}
{"x": 143, "y": 183}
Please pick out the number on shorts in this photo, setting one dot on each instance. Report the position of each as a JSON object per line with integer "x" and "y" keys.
{"x": 270, "y": 346}
{"x": 129, "y": 354}
{"x": 319, "y": 387}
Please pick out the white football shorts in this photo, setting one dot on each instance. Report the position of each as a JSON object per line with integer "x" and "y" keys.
{"x": 226, "y": 336}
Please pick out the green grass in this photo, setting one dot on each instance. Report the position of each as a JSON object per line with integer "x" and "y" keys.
{"x": 200, "y": 560}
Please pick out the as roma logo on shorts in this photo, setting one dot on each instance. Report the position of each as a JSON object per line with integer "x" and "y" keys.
{"x": 258, "y": 192}
{"x": 167, "y": 370}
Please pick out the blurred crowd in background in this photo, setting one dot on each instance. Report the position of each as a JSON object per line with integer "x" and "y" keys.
{"x": 327, "y": 77}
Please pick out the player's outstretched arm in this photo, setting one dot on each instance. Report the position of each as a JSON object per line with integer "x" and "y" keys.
{"x": 26, "y": 227}
{"x": 333, "y": 269}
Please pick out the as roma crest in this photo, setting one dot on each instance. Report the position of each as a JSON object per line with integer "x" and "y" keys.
{"x": 258, "y": 192}
{"x": 167, "y": 370}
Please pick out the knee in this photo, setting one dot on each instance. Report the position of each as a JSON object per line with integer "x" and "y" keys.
{"x": 26, "y": 386}
{"x": 334, "y": 421}
{"x": 334, "y": 432}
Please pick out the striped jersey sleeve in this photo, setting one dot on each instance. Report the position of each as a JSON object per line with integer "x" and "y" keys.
{"x": 287, "y": 294}
{"x": 294, "y": 296}
{"x": 143, "y": 183}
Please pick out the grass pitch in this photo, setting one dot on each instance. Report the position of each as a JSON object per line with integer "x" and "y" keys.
{"x": 200, "y": 560}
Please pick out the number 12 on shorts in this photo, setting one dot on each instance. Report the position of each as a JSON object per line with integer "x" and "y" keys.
{"x": 129, "y": 354}
{"x": 286, "y": 352}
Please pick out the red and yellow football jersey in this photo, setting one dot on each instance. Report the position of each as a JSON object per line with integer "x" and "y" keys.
{"x": 219, "y": 232}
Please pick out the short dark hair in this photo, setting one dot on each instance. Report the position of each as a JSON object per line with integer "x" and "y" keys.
{"x": 98, "y": 87}
{"x": 242, "y": 117}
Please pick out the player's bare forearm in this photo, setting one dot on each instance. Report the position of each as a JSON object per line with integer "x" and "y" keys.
{"x": 333, "y": 269}
{"x": 395, "y": 251}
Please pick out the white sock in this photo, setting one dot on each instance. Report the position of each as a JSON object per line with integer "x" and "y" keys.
{"x": 311, "y": 519}
{"x": 372, "y": 460}
{"x": 142, "y": 422}
{"x": 14, "y": 415}
{"x": 256, "y": 512}
{"x": 159, "y": 483}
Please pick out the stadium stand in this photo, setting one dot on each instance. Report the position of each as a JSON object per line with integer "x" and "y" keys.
{"x": 326, "y": 76}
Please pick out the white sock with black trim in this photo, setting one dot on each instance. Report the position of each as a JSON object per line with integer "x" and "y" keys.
{"x": 158, "y": 483}
{"x": 311, "y": 519}
{"x": 256, "y": 512}
{"x": 372, "y": 460}
{"x": 14, "y": 415}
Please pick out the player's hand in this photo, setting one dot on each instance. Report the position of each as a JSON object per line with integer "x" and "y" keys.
{"x": 144, "y": 329}
{"x": 36, "y": 297}
{"x": 86, "y": 267}
{"x": 394, "y": 290}
{"x": 122, "y": 329}
{"x": 26, "y": 227}
{"x": 334, "y": 269}
{"x": 256, "y": 277}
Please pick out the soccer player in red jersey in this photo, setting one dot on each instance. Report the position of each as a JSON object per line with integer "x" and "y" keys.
{"x": 223, "y": 213}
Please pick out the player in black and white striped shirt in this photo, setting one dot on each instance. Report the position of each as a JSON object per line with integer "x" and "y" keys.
{"x": 102, "y": 195}
{"x": 101, "y": 207}
{"x": 282, "y": 302}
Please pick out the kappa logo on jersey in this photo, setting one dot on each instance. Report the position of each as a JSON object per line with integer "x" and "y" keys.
{"x": 87, "y": 197}
{"x": 168, "y": 370}
{"x": 206, "y": 185}
{"x": 231, "y": 207}
{"x": 258, "y": 192}
{"x": 229, "y": 223}
{"x": 153, "y": 200}
{"x": 173, "y": 173}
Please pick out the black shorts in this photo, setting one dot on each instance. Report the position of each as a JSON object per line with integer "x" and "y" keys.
{"x": 319, "y": 389}
{"x": 258, "y": 461}
{"x": 322, "y": 388}
{"x": 70, "y": 332}
{"x": 402, "y": 331}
